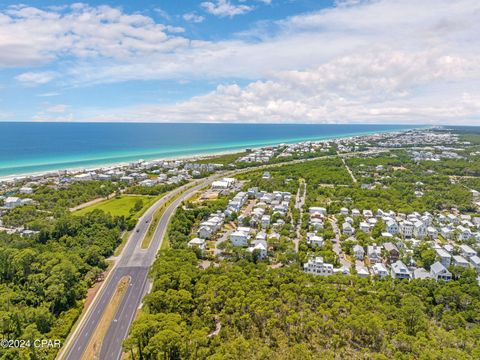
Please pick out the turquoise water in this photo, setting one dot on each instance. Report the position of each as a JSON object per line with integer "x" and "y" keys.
{"x": 36, "y": 147}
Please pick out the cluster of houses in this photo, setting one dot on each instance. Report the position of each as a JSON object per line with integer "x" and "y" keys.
{"x": 306, "y": 147}
{"x": 262, "y": 155}
{"x": 401, "y": 233}
{"x": 430, "y": 155}
{"x": 253, "y": 222}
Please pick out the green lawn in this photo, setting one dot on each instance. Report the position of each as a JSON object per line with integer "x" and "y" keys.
{"x": 121, "y": 205}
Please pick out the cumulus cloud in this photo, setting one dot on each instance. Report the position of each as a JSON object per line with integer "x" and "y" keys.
{"x": 193, "y": 17}
{"x": 36, "y": 78}
{"x": 224, "y": 8}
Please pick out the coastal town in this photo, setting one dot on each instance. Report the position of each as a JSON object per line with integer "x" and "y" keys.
{"x": 389, "y": 208}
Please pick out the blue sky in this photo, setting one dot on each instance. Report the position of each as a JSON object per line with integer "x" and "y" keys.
{"x": 275, "y": 61}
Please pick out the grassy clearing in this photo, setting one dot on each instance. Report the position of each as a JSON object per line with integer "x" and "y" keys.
{"x": 121, "y": 206}
{"x": 93, "y": 349}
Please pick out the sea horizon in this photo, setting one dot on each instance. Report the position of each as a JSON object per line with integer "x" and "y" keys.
{"x": 28, "y": 148}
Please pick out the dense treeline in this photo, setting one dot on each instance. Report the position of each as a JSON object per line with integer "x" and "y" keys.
{"x": 73, "y": 194}
{"x": 44, "y": 278}
{"x": 153, "y": 190}
{"x": 247, "y": 311}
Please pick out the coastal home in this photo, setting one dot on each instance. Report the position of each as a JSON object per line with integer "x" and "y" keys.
{"x": 317, "y": 223}
{"x": 467, "y": 251}
{"x": 239, "y": 238}
{"x": 358, "y": 252}
{"x": 463, "y": 233}
{"x": 475, "y": 262}
{"x": 446, "y": 233}
{"x": 260, "y": 249}
{"x": 26, "y": 190}
{"x": 460, "y": 261}
{"x": 265, "y": 222}
{"x": 12, "y": 202}
{"x": 421, "y": 273}
{"x": 406, "y": 228}
{"x": 444, "y": 257}
{"x": 380, "y": 270}
{"x": 419, "y": 229}
{"x": 347, "y": 229}
{"x": 355, "y": 212}
{"x": 365, "y": 227}
{"x": 317, "y": 210}
{"x": 316, "y": 266}
{"x": 392, "y": 252}
{"x": 432, "y": 232}
{"x": 391, "y": 226}
{"x": 344, "y": 211}
{"x": 367, "y": 213}
{"x": 362, "y": 272}
{"x": 440, "y": 272}
{"x": 197, "y": 243}
{"x": 400, "y": 271}
{"x": 315, "y": 240}
{"x": 374, "y": 253}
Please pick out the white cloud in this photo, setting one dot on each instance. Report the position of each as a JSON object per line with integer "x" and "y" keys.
{"x": 224, "y": 8}
{"x": 36, "y": 78}
{"x": 193, "y": 17}
{"x": 60, "y": 108}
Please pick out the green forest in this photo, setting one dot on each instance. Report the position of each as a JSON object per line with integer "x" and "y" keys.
{"x": 242, "y": 310}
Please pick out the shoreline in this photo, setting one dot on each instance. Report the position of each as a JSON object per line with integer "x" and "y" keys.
{"x": 195, "y": 157}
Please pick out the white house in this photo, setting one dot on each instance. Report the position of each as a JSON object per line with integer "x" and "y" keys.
{"x": 380, "y": 270}
{"x": 198, "y": 243}
{"x": 265, "y": 221}
{"x": 467, "y": 251}
{"x": 355, "y": 212}
{"x": 26, "y": 190}
{"x": 440, "y": 272}
{"x": 260, "y": 248}
{"x": 432, "y": 232}
{"x": 400, "y": 271}
{"x": 463, "y": 233}
{"x": 391, "y": 226}
{"x": 316, "y": 209}
{"x": 358, "y": 252}
{"x": 460, "y": 261}
{"x": 239, "y": 238}
{"x": 421, "y": 273}
{"x": 362, "y": 272}
{"x": 347, "y": 229}
{"x": 316, "y": 266}
{"x": 365, "y": 227}
{"x": 374, "y": 253}
{"x": 344, "y": 211}
{"x": 475, "y": 261}
{"x": 315, "y": 240}
{"x": 419, "y": 229}
{"x": 446, "y": 232}
{"x": 444, "y": 257}
{"x": 406, "y": 228}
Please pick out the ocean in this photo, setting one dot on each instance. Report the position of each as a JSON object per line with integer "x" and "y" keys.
{"x": 27, "y": 147}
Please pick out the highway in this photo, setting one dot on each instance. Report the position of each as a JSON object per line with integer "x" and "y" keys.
{"x": 133, "y": 262}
